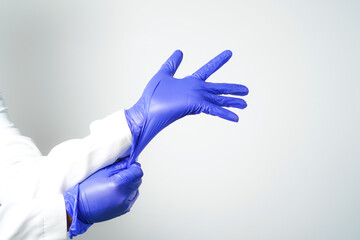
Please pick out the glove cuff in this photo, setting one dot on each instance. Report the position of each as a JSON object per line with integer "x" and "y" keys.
{"x": 71, "y": 203}
{"x": 135, "y": 119}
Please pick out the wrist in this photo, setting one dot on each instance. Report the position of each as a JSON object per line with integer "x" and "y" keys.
{"x": 68, "y": 220}
{"x": 135, "y": 117}
{"x": 75, "y": 226}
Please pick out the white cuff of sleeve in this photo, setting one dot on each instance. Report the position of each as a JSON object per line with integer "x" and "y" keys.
{"x": 111, "y": 127}
{"x": 54, "y": 212}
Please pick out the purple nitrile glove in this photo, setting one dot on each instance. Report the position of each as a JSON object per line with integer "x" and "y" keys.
{"x": 108, "y": 193}
{"x": 167, "y": 99}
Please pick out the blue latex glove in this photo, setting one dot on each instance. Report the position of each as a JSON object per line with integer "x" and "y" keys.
{"x": 167, "y": 99}
{"x": 108, "y": 193}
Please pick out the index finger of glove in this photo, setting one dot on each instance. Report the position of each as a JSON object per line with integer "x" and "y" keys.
{"x": 205, "y": 71}
{"x": 131, "y": 174}
{"x": 120, "y": 164}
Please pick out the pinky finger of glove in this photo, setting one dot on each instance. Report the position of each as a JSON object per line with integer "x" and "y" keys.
{"x": 214, "y": 110}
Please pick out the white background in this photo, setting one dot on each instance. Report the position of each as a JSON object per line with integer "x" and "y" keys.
{"x": 288, "y": 170}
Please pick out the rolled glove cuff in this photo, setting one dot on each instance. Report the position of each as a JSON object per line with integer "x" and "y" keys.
{"x": 71, "y": 203}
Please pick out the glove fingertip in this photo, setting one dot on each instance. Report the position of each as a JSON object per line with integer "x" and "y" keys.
{"x": 137, "y": 164}
{"x": 229, "y": 115}
{"x": 243, "y": 104}
{"x": 244, "y": 90}
{"x": 228, "y": 53}
{"x": 179, "y": 53}
{"x": 136, "y": 171}
{"x": 234, "y": 118}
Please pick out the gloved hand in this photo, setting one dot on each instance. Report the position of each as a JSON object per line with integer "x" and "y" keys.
{"x": 167, "y": 99}
{"x": 108, "y": 193}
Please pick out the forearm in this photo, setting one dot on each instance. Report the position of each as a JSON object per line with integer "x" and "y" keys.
{"x": 68, "y": 163}
{"x": 73, "y": 161}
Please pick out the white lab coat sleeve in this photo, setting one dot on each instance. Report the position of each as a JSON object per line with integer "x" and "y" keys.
{"x": 27, "y": 178}
{"x": 72, "y": 161}
{"x": 69, "y": 162}
{"x": 38, "y": 218}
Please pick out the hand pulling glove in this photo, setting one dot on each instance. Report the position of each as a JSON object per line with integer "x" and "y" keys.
{"x": 108, "y": 193}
